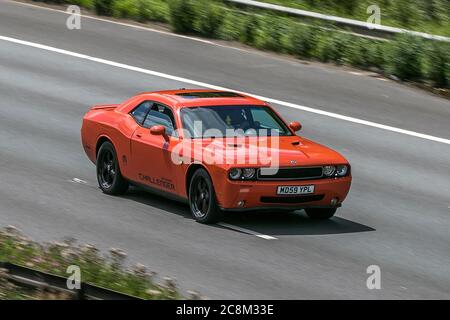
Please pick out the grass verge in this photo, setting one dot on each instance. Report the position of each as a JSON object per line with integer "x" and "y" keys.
{"x": 104, "y": 271}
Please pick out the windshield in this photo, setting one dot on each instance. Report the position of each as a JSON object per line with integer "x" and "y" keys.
{"x": 229, "y": 121}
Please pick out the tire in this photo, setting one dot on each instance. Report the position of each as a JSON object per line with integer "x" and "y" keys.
{"x": 320, "y": 213}
{"x": 109, "y": 178}
{"x": 202, "y": 198}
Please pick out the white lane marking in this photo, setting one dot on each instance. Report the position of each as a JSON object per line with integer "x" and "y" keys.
{"x": 76, "y": 180}
{"x": 211, "y": 86}
{"x": 247, "y": 231}
{"x": 264, "y": 236}
{"x": 114, "y": 22}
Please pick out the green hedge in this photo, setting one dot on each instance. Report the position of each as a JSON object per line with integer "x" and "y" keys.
{"x": 431, "y": 16}
{"x": 406, "y": 57}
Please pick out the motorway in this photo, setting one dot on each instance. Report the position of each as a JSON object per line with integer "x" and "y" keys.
{"x": 397, "y": 215}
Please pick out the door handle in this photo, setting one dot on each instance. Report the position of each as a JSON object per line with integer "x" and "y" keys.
{"x": 138, "y": 135}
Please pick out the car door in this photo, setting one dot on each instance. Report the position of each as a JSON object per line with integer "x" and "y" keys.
{"x": 151, "y": 154}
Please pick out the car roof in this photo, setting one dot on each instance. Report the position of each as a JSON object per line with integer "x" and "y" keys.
{"x": 201, "y": 97}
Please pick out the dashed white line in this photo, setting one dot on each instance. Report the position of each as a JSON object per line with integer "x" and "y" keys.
{"x": 215, "y": 87}
{"x": 264, "y": 236}
{"x": 247, "y": 231}
{"x": 76, "y": 180}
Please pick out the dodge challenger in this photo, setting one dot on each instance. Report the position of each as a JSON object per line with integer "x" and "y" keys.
{"x": 215, "y": 150}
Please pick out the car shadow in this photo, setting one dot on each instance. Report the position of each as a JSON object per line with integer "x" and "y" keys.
{"x": 139, "y": 195}
{"x": 293, "y": 223}
{"x": 269, "y": 223}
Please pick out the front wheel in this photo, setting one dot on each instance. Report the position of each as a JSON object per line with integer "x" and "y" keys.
{"x": 202, "y": 198}
{"x": 320, "y": 213}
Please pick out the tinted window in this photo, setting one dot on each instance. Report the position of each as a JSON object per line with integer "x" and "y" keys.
{"x": 231, "y": 121}
{"x": 263, "y": 119}
{"x": 160, "y": 115}
{"x": 141, "y": 111}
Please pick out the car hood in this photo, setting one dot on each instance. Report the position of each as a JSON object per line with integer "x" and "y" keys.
{"x": 287, "y": 151}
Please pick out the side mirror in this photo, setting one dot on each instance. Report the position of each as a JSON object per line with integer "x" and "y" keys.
{"x": 158, "y": 130}
{"x": 295, "y": 126}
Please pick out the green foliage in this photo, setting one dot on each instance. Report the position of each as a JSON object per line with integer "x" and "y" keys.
{"x": 209, "y": 18}
{"x": 437, "y": 63}
{"x": 88, "y": 4}
{"x": 303, "y": 40}
{"x": 404, "y": 55}
{"x": 125, "y": 9}
{"x": 432, "y": 16}
{"x": 270, "y": 34}
{"x": 104, "y": 271}
{"x": 249, "y": 29}
{"x": 231, "y": 26}
{"x": 333, "y": 48}
{"x": 152, "y": 10}
{"x": 436, "y": 10}
{"x": 405, "y": 12}
{"x": 141, "y": 10}
{"x": 365, "y": 53}
{"x": 182, "y": 16}
{"x": 104, "y": 7}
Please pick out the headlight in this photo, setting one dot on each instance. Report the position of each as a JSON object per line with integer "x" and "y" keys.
{"x": 242, "y": 173}
{"x": 341, "y": 170}
{"x": 328, "y": 170}
{"x": 248, "y": 173}
{"x": 235, "y": 174}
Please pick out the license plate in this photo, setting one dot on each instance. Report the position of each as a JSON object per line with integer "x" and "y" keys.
{"x": 295, "y": 189}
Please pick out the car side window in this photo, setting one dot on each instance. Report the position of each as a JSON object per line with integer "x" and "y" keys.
{"x": 161, "y": 115}
{"x": 141, "y": 111}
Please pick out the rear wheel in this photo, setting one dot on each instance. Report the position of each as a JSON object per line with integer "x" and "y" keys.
{"x": 202, "y": 198}
{"x": 109, "y": 177}
{"x": 320, "y": 213}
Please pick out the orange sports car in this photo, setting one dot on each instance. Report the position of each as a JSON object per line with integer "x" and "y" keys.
{"x": 216, "y": 150}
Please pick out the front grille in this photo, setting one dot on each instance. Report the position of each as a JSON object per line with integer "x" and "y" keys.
{"x": 293, "y": 199}
{"x": 298, "y": 173}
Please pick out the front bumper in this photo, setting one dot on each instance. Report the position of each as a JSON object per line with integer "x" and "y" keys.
{"x": 260, "y": 195}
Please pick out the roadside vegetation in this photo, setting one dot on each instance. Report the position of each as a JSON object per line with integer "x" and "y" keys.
{"x": 104, "y": 271}
{"x": 431, "y": 16}
{"x": 405, "y": 57}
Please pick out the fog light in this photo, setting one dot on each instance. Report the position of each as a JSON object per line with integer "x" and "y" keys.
{"x": 241, "y": 203}
{"x": 334, "y": 201}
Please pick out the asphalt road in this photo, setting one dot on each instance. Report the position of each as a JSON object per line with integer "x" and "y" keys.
{"x": 396, "y": 216}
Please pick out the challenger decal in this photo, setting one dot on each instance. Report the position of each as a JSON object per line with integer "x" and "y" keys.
{"x": 162, "y": 182}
